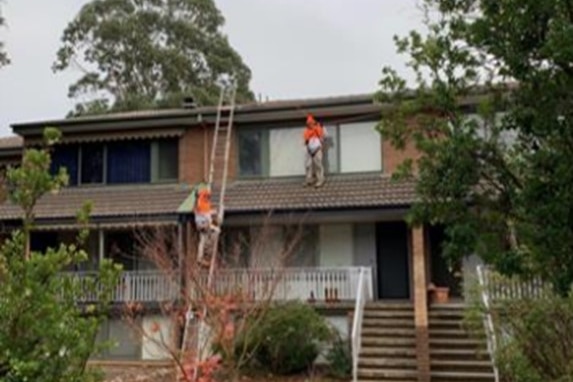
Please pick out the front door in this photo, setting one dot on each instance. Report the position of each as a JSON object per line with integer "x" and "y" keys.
{"x": 392, "y": 260}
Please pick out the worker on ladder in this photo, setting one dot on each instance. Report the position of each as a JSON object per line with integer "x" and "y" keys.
{"x": 204, "y": 222}
{"x": 314, "y": 135}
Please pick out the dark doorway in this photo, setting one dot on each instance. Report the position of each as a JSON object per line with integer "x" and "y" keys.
{"x": 392, "y": 260}
{"x": 442, "y": 273}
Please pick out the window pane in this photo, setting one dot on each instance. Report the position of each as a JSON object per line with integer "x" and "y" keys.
{"x": 287, "y": 152}
{"x": 331, "y": 150}
{"x": 168, "y": 160}
{"x": 67, "y": 157}
{"x": 360, "y": 147}
{"x": 126, "y": 338}
{"x": 128, "y": 162}
{"x": 250, "y": 153}
{"x": 305, "y": 243}
{"x": 92, "y": 163}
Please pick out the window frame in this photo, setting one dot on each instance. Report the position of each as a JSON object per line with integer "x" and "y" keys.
{"x": 154, "y": 153}
{"x": 155, "y": 158}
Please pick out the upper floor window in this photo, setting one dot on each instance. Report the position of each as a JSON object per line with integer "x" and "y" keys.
{"x": 278, "y": 152}
{"x": 137, "y": 161}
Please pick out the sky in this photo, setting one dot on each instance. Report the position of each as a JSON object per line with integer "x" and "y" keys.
{"x": 295, "y": 49}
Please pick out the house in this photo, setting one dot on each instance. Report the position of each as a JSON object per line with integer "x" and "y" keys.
{"x": 138, "y": 169}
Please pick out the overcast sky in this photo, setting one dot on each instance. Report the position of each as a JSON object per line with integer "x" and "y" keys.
{"x": 295, "y": 49}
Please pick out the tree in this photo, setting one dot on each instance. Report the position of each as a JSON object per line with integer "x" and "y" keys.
{"x": 45, "y": 334}
{"x": 501, "y": 183}
{"x": 149, "y": 54}
{"x": 3, "y": 56}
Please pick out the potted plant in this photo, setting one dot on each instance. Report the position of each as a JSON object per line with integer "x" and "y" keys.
{"x": 438, "y": 295}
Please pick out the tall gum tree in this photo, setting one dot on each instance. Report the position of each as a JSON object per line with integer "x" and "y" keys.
{"x": 144, "y": 54}
{"x": 500, "y": 181}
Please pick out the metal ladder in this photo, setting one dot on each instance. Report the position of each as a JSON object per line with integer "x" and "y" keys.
{"x": 218, "y": 170}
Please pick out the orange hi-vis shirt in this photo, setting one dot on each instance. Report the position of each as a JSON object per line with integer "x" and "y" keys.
{"x": 314, "y": 131}
{"x": 203, "y": 205}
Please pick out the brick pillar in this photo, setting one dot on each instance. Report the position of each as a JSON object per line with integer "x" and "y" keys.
{"x": 421, "y": 304}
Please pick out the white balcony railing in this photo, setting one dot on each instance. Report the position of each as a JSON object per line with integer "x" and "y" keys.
{"x": 132, "y": 286}
{"x": 283, "y": 284}
{"x": 333, "y": 284}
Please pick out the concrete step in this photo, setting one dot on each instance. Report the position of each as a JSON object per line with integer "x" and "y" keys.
{"x": 388, "y": 363}
{"x": 387, "y": 374}
{"x": 458, "y": 354}
{"x": 394, "y": 314}
{"x": 393, "y": 352}
{"x": 448, "y": 333}
{"x": 457, "y": 343}
{"x": 451, "y": 376}
{"x": 446, "y": 314}
{"x": 376, "y": 305}
{"x": 445, "y": 323}
{"x": 388, "y": 342}
{"x": 464, "y": 365}
{"x": 388, "y": 322}
{"x": 387, "y": 332}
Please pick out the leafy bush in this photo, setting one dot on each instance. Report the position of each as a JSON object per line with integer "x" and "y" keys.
{"x": 339, "y": 358}
{"x": 288, "y": 339}
{"x": 536, "y": 340}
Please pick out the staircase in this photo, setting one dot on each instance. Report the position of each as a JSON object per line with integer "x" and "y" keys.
{"x": 454, "y": 355}
{"x": 388, "y": 351}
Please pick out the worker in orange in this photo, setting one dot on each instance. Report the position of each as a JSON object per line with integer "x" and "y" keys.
{"x": 314, "y": 135}
{"x": 204, "y": 212}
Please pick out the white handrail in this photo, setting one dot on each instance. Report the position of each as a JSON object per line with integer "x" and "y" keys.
{"x": 361, "y": 296}
{"x": 488, "y": 320}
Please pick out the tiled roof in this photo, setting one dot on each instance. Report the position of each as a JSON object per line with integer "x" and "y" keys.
{"x": 111, "y": 201}
{"x": 12, "y": 142}
{"x": 339, "y": 191}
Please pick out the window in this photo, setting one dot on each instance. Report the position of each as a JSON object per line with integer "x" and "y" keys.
{"x": 304, "y": 241}
{"x": 165, "y": 158}
{"x": 289, "y": 159}
{"x": 92, "y": 163}
{"x": 66, "y": 156}
{"x": 128, "y": 162}
{"x": 253, "y": 150}
{"x": 331, "y": 149}
{"x": 125, "y": 162}
{"x": 360, "y": 148}
{"x": 121, "y": 333}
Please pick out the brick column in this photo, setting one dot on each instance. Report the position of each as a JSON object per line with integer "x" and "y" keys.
{"x": 421, "y": 304}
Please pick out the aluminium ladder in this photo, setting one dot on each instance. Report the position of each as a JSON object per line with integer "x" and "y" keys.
{"x": 218, "y": 171}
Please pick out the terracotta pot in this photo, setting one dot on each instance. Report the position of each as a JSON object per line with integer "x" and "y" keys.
{"x": 440, "y": 295}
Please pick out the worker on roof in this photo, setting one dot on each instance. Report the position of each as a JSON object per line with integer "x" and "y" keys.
{"x": 314, "y": 135}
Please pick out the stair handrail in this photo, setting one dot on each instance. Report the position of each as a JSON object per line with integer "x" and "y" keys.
{"x": 488, "y": 319}
{"x": 362, "y": 292}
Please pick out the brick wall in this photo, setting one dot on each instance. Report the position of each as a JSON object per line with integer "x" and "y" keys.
{"x": 393, "y": 157}
{"x": 192, "y": 155}
{"x": 421, "y": 304}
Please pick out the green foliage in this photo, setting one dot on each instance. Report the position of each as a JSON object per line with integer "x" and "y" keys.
{"x": 32, "y": 179}
{"x": 501, "y": 182}
{"x": 288, "y": 338}
{"x": 4, "y": 60}
{"x": 45, "y": 335}
{"x": 149, "y": 54}
{"x": 540, "y": 342}
{"x": 339, "y": 358}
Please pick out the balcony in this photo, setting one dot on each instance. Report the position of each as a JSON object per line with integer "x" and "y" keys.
{"x": 320, "y": 284}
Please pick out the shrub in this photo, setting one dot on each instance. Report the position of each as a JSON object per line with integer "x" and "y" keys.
{"x": 339, "y": 358}
{"x": 289, "y": 337}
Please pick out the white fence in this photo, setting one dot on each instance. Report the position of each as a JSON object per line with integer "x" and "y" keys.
{"x": 502, "y": 288}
